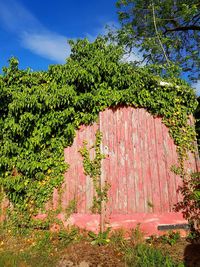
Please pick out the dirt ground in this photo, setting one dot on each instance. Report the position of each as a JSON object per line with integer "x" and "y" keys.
{"x": 49, "y": 252}
{"x": 84, "y": 254}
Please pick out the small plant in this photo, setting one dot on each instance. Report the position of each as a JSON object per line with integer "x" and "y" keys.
{"x": 152, "y": 239}
{"x": 136, "y": 236}
{"x": 102, "y": 238}
{"x": 43, "y": 242}
{"x": 171, "y": 238}
{"x": 68, "y": 236}
{"x": 118, "y": 240}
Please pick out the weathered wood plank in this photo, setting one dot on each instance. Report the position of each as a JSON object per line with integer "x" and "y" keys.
{"x": 139, "y": 155}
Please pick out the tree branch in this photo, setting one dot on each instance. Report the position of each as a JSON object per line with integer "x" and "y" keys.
{"x": 196, "y": 16}
{"x": 157, "y": 34}
{"x": 184, "y": 28}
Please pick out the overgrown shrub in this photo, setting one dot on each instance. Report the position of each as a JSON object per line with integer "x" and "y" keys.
{"x": 190, "y": 204}
{"x": 40, "y": 112}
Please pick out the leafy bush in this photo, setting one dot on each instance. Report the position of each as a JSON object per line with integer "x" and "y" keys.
{"x": 190, "y": 204}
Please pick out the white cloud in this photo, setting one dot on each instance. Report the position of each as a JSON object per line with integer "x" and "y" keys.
{"x": 48, "y": 45}
{"x": 31, "y": 33}
{"x": 16, "y": 18}
{"x": 111, "y": 25}
{"x": 196, "y": 86}
{"x": 34, "y": 36}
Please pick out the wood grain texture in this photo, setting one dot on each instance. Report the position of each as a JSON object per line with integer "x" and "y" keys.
{"x": 139, "y": 153}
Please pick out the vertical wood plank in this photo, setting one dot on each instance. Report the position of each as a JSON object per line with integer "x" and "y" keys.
{"x": 140, "y": 163}
{"x": 130, "y": 150}
{"x": 147, "y": 164}
{"x": 140, "y": 153}
{"x": 161, "y": 166}
{"x": 155, "y": 183}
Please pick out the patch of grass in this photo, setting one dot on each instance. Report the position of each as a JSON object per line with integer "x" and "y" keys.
{"x": 118, "y": 240}
{"x": 138, "y": 253}
{"x": 27, "y": 258}
{"x": 68, "y": 236}
{"x": 143, "y": 255}
{"x": 42, "y": 242}
{"x": 136, "y": 236}
{"x": 9, "y": 259}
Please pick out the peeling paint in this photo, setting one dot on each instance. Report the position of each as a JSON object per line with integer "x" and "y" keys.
{"x": 139, "y": 154}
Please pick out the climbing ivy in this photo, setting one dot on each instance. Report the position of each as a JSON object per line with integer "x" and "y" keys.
{"x": 41, "y": 110}
{"x": 92, "y": 167}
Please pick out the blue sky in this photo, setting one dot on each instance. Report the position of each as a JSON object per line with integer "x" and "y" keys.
{"x": 36, "y": 32}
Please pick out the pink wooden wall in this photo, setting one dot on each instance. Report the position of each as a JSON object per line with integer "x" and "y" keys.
{"x": 139, "y": 154}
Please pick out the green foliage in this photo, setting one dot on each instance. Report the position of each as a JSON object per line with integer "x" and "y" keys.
{"x": 197, "y": 124}
{"x": 138, "y": 253}
{"x": 170, "y": 238}
{"x": 40, "y": 112}
{"x": 117, "y": 238}
{"x": 93, "y": 169}
{"x": 190, "y": 203}
{"x": 136, "y": 235}
{"x": 68, "y": 236}
{"x": 71, "y": 208}
{"x": 12, "y": 259}
{"x": 143, "y": 255}
{"x": 43, "y": 242}
{"x": 102, "y": 238}
{"x": 44, "y": 248}
{"x": 167, "y": 32}
{"x": 27, "y": 249}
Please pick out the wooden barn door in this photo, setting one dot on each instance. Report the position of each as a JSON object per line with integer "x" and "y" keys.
{"x": 139, "y": 155}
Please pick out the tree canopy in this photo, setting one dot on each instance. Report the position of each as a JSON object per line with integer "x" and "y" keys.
{"x": 166, "y": 31}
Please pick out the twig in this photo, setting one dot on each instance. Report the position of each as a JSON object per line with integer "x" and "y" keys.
{"x": 157, "y": 34}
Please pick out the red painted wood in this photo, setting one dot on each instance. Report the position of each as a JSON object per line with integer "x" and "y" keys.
{"x": 161, "y": 159}
{"x": 77, "y": 186}
{"x": 149, "y": 162}
{"x": 148, "y": 222}
{"x": 142, "y": 177}
{"x": 139, "y": 154}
